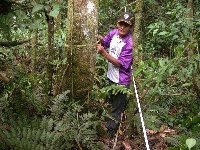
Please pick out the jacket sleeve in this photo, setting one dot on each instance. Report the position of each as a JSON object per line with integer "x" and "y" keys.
{"x": 107, "y": 39}
{"x": 126, "y": 57}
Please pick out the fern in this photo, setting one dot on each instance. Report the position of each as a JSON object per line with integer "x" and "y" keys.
{"x": 81, "y": 128}
{"x": 31, "y": 138}
{"x": 63, "y": 129}
{"x": 59, "y": 105}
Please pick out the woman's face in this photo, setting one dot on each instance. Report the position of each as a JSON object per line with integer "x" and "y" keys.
{"x": 123, "y": 28}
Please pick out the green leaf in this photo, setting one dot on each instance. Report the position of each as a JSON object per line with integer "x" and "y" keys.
{"x": 171, "y": 70}
{"x": 168, "y": 13}
{"x": 155, "y": 31}
{"x": 163, "y": 33}
{"x": 175, "y": 37}
{"x": 54, "y": 13}
{"x": 38, "y": 134}
{"x": 190, "y": 143}
{"x": 162, "y": 63}
{"x": 187, "y": 84}
{"x": 138, "y": 70}
{"x": 28, "y": 134}
{"x": 43, "y": 136}
{"x": 56, "y": 8}
{"x": 50, "y": 124}
{"x": 37, "y": 7}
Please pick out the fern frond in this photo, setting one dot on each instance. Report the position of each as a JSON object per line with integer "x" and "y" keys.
{"x": 59, "y": 105}
{"x": 64, "y": 129}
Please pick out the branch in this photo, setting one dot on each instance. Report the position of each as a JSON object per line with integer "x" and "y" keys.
{"x": 13, "y": 43}
{"x": 124, "y": 7}
{"x": 21, "y": 4}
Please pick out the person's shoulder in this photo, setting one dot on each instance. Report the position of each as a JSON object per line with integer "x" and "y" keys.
{"x": 114, "y": 31}
{"x": 128, "y": 38}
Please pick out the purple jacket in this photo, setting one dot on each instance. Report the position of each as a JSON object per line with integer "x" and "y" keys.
{"x": 120, "y": 49}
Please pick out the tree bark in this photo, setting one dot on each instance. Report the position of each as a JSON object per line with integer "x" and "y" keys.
{"x": 58, "y": 19}
{"x": 34, "y": 48}
{"x": 136, "y": 34}
{"x": 190, "y": 52}
{"x": 51, "y": 51}
{"x": 132, "y": 106}
{"x": 80, "y": 48}
{"x": 190, "y": 16}
{"x": 13, "y": 43}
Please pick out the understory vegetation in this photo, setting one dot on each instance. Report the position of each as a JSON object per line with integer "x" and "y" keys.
{"x": 167, "y": 74}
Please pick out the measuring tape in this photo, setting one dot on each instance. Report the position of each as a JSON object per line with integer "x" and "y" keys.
{"x": 141, "y": 116}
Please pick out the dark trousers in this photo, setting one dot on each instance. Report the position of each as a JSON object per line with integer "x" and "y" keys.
{"x": 118, "y": 106}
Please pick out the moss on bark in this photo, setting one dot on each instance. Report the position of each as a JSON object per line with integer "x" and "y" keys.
{"x": 81, "y": 48}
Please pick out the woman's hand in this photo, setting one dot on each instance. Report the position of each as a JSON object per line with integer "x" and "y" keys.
{"x": 100, "y": 49}
{"x": 99, "y": 38}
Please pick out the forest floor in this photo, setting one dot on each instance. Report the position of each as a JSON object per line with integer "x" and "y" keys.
{"x": 156, "y": 140}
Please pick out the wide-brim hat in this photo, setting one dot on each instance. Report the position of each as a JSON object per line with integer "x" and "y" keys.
{"x": 127, "y": 17}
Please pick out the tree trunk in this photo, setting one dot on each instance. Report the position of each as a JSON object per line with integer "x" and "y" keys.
{"x": 58, "y": 19}
{"x": 132, "y": 106}
{"x": 138, "y": 18}
{"x": 51, "y": 51}
{"x": 190, "y": 52}
{"x": 34, "y": 48}
{"x": 82, "y": 26}
{"x": 190, "y": 16}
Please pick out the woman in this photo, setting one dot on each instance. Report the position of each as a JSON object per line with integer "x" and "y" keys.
{"x": 120, "y": 58}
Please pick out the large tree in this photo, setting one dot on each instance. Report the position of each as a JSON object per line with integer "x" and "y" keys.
{"x": 79, "y": 71}
{"x": 137, "y": 55}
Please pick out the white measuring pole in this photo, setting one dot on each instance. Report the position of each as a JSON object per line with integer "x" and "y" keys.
{"x": 141, "y": 116}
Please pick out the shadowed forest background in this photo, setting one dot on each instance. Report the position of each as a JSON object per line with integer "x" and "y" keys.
{"x": 53, "y": 85}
